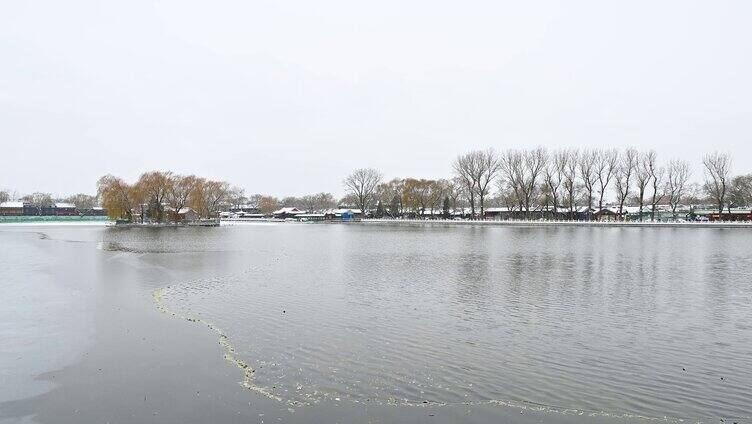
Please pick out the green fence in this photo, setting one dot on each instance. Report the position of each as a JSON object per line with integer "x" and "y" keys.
{"x": 51, "y": 219}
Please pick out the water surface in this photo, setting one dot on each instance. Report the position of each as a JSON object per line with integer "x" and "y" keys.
{"x": 622, "y": 321}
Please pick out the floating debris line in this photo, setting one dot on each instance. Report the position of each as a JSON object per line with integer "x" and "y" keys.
{"x": 231, "y": 356}
{"x": 224, "y": 341}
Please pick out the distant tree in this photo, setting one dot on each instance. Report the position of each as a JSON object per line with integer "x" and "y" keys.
{"x": 534, "y": 164}
{"x": 348, "y": 201}
{"x": 488, "y": 166}
{"x": 254, "y": 200}
{"x": 292, "y": 202}
{"x": 324, "y": 201}
{"x": 437, "y": 190}
{"x": 606, "y": 165}
{"x": 268, "y": 204}
{"x": 553, "y": 176}
{"x": 445, "y": 212}
{"x": 361, "y": 184}
{"x": 512, "y": 181}
{"x": 155, "y": 186}
{"x": 643, "y": 175}
{"x": 236, "y": 196}
{"x": 416, "y": 194}
{"x": 588, "y": 175}
{"x": 570, "y": 179}
{"x": 624, "y": 175}
{"x": 395, "y": 206}
{"x": 379, "y": 210}
{"x": 4, "y": 196}
{"x": 740, "y": 192}
{"x": 466, "y": 170}
{"x": 38, "y": 200}
{"x": 455, "y": 191}
{"x": 179, "y": 192}
{"x": 117, "y": 197}
{"x": 83, "y": 202}
{"x": 717, "y": 176}
{"x": 676, "y": 183}
{"x": 657, "y": 174}
{"x": 208, "y": 195}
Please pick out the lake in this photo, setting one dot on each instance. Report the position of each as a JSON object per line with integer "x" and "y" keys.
{"x": 627, "y": 323}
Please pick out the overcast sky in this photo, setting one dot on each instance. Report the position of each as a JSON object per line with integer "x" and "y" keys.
{"x": 286, "y": 97}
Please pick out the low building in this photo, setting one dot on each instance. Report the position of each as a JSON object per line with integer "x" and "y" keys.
{"x": 285, "y": 213}
{"x": 188, "y": 214}
{"x": 608, "y": 214}
{"x": 343, "y": 214}
{"x": 184, "y": 214}
{"x": 732, "y": 214}
{"x": 64, "y": 209}
{"x": 247, "y": 209}
{"x": 95, "y": 211}
{"x": 11, "y": 208}
{"x": 311, "y": 217}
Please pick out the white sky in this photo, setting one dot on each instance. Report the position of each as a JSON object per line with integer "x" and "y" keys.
{"x": 286, "y": 97}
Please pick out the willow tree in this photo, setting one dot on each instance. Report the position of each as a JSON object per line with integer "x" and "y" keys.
{"x": 179, "y": 193}
{"x": 155, "y": 186}
{"x": 117, "y": 197}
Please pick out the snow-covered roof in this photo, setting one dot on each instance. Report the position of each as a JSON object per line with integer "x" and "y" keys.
{"x": 340, "y": 211}
{"x": 63, "y": 205}
{"x": 11, "y": 205}
{"x": 497, "y": 209}
{"x": 287, "y": 210}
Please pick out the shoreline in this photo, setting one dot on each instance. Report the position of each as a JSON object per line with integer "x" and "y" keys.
{"x": 523, "y": 223}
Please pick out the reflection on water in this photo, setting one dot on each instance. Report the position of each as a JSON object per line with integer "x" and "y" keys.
{"x": 652, "y": 322}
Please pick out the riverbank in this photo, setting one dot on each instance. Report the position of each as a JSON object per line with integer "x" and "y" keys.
{"x": 54, "y": 220}
{"x": 544, "y": 223}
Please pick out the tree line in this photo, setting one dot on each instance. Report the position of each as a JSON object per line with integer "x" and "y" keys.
{"x": 558, "y": 182}
{"x": 531, "y": 182}
{"x": 82, "y": 202}
{"x": 161, "y": 195}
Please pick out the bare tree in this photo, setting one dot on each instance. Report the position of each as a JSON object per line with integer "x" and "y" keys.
{"x": 623, "y": 176}
{"x": 4, "y": 196}
{"x": 717, "y": 174}
{"x": 676, "y": 183}
{"x": 643, "y": 175}
{"x": 323, "y": 201}
{"x": 38, "y": 200}
{"x": 553, "y": 176}
{"x": 588, "y": 174}
{"x": 534, "y": 162}
{"x": 465, "y": 169}
{"x": 361, "y": 184}
{"x": 83, "y": 202}
{"x": 486, "y": 170}
{"x": 570, "y": 179}
{"x": 455, "y": 192}
{"x": 513, "y": 177}
{"x": 657, "y": 173}
{"x": 605, "y": 166}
